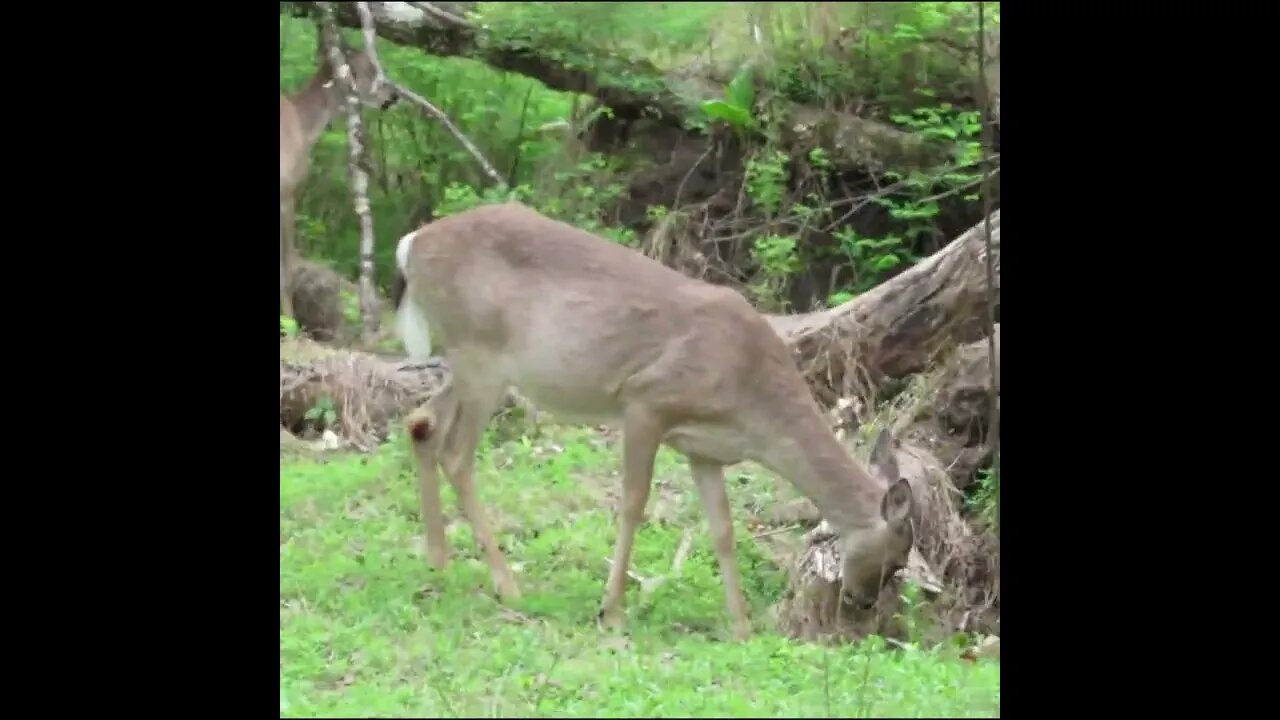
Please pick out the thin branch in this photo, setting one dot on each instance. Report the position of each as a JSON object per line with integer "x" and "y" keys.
{"x": 682, "y": 553}
{"x": 438, "y": 114}
{"x": 370, "y": 43}
{"x": 977, "y": 181}
{"x": 776, "y": 531}
{"x": 444, "y": 15}
{"x": 993, "y": 428}
{"x": 369, "y": 310}
{"x": 864, "y": 200}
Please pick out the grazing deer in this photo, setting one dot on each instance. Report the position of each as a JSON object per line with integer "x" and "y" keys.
{"x": 303, "y": 117}
{"x": 595, "y": 332}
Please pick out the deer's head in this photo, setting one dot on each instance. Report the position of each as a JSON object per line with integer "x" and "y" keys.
{"x": 373, "y": 94}
{"x": 871, "y": 556}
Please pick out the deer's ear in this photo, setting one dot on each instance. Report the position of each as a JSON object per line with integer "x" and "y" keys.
{"x": 897, "y": 503}
{"x": 883, "y": 460}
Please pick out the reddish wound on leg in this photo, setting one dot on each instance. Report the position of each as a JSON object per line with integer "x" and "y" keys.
{"x": 419, "y": 430}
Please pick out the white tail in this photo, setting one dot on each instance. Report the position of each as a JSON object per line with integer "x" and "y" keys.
{"x": 411, "y": 324}
{"x": 594, "y": 332}
{"x": 303, "y": 117}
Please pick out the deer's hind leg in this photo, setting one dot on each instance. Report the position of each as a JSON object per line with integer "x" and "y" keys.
{"x": 642, "y": 433}
{"x": 475, "y": 397}
{"x": 428, "y": 426}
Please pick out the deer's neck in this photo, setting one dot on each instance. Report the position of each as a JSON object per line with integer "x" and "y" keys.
{"x": 316, "y": 105}
{"x": 804, "y": 451}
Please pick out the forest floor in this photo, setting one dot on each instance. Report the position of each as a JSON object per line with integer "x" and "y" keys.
{"x": 368, "y": 629}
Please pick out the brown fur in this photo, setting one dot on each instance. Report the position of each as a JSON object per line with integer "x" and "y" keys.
{"x": 303, "y": 117}
{"x": 594, "y": 332}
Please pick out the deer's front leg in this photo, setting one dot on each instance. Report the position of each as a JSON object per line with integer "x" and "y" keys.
{"x": 641, "y": 436}
{"x": 710, "y": 480}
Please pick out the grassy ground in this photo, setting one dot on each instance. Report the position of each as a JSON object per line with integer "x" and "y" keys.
{"x": 367, "y": 629}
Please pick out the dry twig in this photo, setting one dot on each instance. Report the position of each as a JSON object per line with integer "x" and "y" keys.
{"x": 438, "y": 114}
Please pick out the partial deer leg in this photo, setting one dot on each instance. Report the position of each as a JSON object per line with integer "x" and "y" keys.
{"x": 709, "y": 477}
{"x": 476, "y": 405}
{"x": 641, "y": 437}
{"x": 427, "y": 428}
{"x": 286, "y": 256}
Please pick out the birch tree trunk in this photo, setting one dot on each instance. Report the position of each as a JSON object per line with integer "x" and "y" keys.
{"x": 369, "y": 306}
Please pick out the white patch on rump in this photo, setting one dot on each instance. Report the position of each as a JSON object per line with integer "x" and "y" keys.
{"x": 411, "y": 324}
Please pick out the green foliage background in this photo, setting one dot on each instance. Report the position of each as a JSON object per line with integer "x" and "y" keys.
{"x": 884, "y": 56}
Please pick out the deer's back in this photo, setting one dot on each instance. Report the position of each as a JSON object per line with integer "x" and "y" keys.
{"x": 580, "y": 324}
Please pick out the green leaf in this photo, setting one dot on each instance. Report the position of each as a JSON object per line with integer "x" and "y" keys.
{"x": 885, "y": 262}
{"x": 918, "y": 212}
{"x": 839, "y": 298}
{"x": 732, "y": 114}
{"x": 742, "y": 90}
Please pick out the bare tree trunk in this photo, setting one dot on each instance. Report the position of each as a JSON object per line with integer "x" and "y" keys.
{"x": 369, "y": 307}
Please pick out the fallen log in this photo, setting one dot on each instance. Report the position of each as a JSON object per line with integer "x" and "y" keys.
{"x": 901, "y": 326}
{"x": 365, "y": 393}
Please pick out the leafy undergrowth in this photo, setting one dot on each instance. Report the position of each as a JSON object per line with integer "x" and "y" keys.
{"x": 368, "y": 629}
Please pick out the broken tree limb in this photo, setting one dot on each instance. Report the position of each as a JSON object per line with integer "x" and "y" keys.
{"x": 369, "y": 306}
{"x": 900, "y": 326}
{"x": 439, "y": 114}
{"x": 368, "y": 394}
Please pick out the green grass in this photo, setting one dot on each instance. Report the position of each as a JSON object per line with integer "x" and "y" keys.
{"x": 367, "y": 629}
